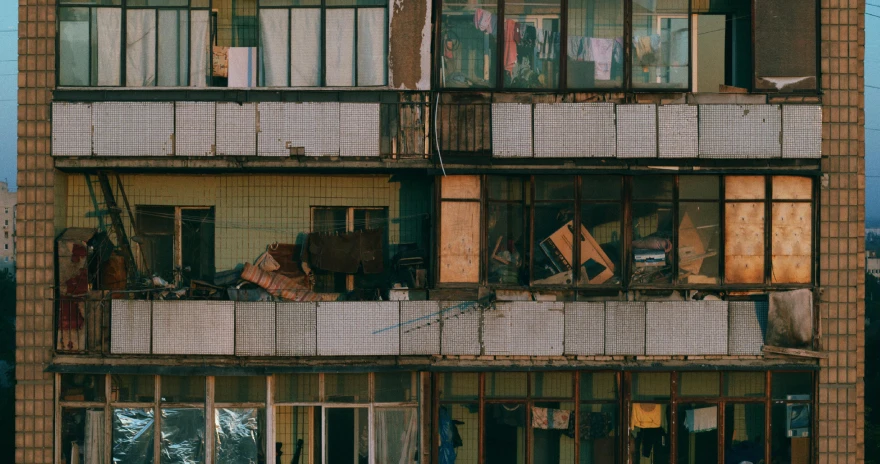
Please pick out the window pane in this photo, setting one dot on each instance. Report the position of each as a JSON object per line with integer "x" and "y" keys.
{"x": 595, "y": 44}
{"x": 744, "y": 243}
{"x": 554, "y": 188}
{"x": 397, "y": 431}
{"x": 90, "y": 2}
{"x": 699, "y": 384}
{"x": 463, "y": 421}
{"x": 601, "y": 187}
{"x": 554, "y": 243}
{"x": 82, "y": 435}
{"x": 238, "y": 435}
{"x": 552, "y": 385}
{"x": 792, "y": 246}
{"x": 598, "y": 431}
{"x": 106, "y": 46}
{"x": 140, "y": 48}
{"x": 372, "y": 40}
{"x": 156, "y": 2}
{"x": 744, "y": 433}
{"x": 82, "y": 387}
{"x": 505, "y": 433}
{"x": 297, "y": 387}
{"x": 506, "y": 385}
{"x": 183, "y": 436}
{"x": 653, "y": 386}
{"x": 459, "y": 386}
{"x": 552, "y": 432}
{"x": 651, "y": 442}
{"x": 507, "y": 241}
{"x": 132, "y": 388}
{"x": 791, "y": 433}
{"x": 173, "y": 47}
{"x": 601, "y": 245}
{"x": 183, "y": 389}
{"x": 529, "y": 64}
{"x": 505, "y": 188}
{"x": 697, "y": 433}
{"x": 653, "y": 187}
{"x": 468, "y": 44}
{"x": 698, "y": 187}
{"x": 74, "y": 46}
{"x": 347, "y": 435}
{"x": 598, "y": 385}
{"x": 347, "y": 388}
{"x": 394, "y": 387}
{"x": 661, "y": 47}
{"x": 132, "y": 436}
{"x": 298, "y": 432}
{"x": 340, "y": 47}
{"x": 200, "y": 40}
{"x": 239, "y": 389}
{"x": 305, "y": 53}
{"x": 699, "y": 239}
{"x": 785, "y": 384}
{"x": 265, "y": 3}
{"x": 744, "y": 384}
{"x": 652, "y": 242}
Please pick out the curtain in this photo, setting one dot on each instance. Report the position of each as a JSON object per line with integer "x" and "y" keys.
{"x": 200, "y": 38}
{"x": 109, "y": 45}
{"x": 140, "y": 47}
{"x": 273, "y": 35}
{"x": 372, "y": 37}
{"x": 305, "y": 53}
{"x": 94, "y": 439}
{"x": 396, "y": 435}
{"x": 172, "y": 47}
{"x": 340, "y": 47}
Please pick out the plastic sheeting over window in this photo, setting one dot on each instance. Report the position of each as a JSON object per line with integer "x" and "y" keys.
{"x": 237, "y": 436}
{"x": 183, "y": 436}
{"x": 133, "y": 431}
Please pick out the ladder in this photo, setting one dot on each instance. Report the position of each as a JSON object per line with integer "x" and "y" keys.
{"x": 109, "y": 216}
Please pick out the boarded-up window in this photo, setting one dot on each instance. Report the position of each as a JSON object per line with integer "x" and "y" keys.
{"x": 785, "y": 55}
{"x": 792, "y": 220}
{"x": 744, "y": 230}
{"x": 460, "y": 242}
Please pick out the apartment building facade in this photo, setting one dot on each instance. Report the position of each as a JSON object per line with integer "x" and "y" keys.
{"x": 7, "y": 240}
{"x": 318, "y": 231}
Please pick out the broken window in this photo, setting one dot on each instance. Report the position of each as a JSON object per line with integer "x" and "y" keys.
{"x": 699, "y": 230}
{"x": 182, "y": 421}
{"x": 722, "y": 44}
{"x": 177, "y": 242}
{"x": 601, "y": 240}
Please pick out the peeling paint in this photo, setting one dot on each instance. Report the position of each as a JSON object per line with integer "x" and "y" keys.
{"x": 410, "y": 65}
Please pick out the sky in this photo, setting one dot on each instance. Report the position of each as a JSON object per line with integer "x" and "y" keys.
{"x": 8, "y": 91}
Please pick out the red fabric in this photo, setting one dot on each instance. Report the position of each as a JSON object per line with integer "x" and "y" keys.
{"x": 510, "y": 39}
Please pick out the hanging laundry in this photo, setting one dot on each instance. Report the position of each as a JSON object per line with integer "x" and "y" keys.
{"x": 602, "y": 52}
{"x": 646, "y": 416}
{"x": 547, "y": 44}
{"x": 574, "y": 46}
{"x": 484, "y": 21}
{"x": 586, "y": 53}
{"x": 510, "y": 32}
{"x": 591, "y": 425}
{"x": 549, "y": 418}
{"x": 701, "y": 419}
{"x": 513, "y": 415}
{"x": 371, "y": 250}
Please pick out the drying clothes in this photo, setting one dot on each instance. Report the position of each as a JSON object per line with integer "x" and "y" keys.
{"x": 513, "y": 416}
{"x": 547, "y": 44}
{"x": 654, "y": 441}
{"x": 574, "y": 46}
{"x": 484, "y": 21}
{"x": 447, "y": 438}
{"x": 591, "y": 425}
{"x": 602, "y": 52}
{"x": 646, "y": 416}
{"x": 371, "y": 250}
{"x": 585, "y": 52}
{"x": 510, "y": 41}
{"x": 701, "y": 419}
{"x": 346, "y": 252}
{"x": 549, "y": 418}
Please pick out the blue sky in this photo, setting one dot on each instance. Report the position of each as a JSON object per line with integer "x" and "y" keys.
{"x": 8, "y": 92}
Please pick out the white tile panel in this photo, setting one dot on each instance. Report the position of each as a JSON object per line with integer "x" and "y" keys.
{"x": 194, "y": 327}
{"x": 584, "y": 328}
{"x": 296, "y": 329}
{"x": 71, "y": 129}
{"x": 624, "y": 328}
{"x": 460, "y": 329}
{"x": 236, "y": 129}
{"x": 358, "y": 328}
{"x": 255, "y": 328}
{"x": 686, "y": 328}
{"x": 195, "y": 128}
{"x": 748, "y": 326}
{"x": 133, "y": 128}
{"x": 636, "y": 131}
{"x": 524, "y": 328}
{"x": 358, "y": 129}
{"x": 420, "y": 327}
{"x": 801, "y": 131}
{"x": 289, "y": 128}
{"x": 130, "y": 326}
{"x": 575, "y": 130}
{"x": 512, "y": 130}
{"x": 678, "y": 134}
{"x": 273, "y": 138}
{"x": 740, "y": 131}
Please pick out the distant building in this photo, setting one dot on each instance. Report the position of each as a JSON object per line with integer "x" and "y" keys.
{"x": 872, "y": 231}
{"x": 7, "y": 216}
{"x": 872, "y": 266}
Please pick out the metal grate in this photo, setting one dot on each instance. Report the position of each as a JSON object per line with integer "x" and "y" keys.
{"x": 419, "y": 327}
{"x": 740, "y": 131}
{"x": 460, "y": 329}
{"x": 195, "y": 128}
{"x": 359, "y": 129}
{"x": 194, "y": 327}
{"x": 748, "y": 325}
{"x": 71, "y": 129}
{"x": 255, "y": 329}
{"x": 575, "y": 130}
{"x": 636, "y": 131}
{"x": 133, "y": 128}
{"x": 801, "y": 131}
{"x": 584, "y": 328}
{"x": 511, "y": 130}
{"x": 358, "y": 328}
{"x": 236, "y": 129}
{"x": 130, "y": 327}
{"x": 624, "y": 328}
{"x": 297, "y": 329}
{"x": 686, "y": 328}
{"x": 678, "y": 134}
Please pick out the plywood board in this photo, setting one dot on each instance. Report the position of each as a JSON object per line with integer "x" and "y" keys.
{"x": 791, "y": 260}
{"x": 460, "y": 242}
{"x": 460, "y": 187}
{"x": 744, "y": 243}
{"x": 744, "y": 187}
{"x": 792, "y": 188}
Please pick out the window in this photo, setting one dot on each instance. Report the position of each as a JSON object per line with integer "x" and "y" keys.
{"x": 346, "y": 224}
{"x": 177, "y": 242}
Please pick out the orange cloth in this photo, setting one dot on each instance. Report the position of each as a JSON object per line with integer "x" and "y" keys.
{"x": 646, "y": 416}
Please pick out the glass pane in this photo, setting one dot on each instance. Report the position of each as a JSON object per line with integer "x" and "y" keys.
{"x": 339, "y": 55}
{"x": 395, "y": 387}
{"x": 598, "y": 385}
{"x": 347, "y": 435}
{"x": 553, "y": 427}
{"x": 297, "y": 387}
{"x": 183, "y": 436}
{"x": 552, "y": 384}
{"x": 792, "y": 188}
{"x": 238, "y": 435}
{"x": 140, "y": 48}
{"x": 528, "y": 62}
{"x": 106, "y": 46}
{"x": 601, "y": 187}
{"x": 239, "y": 389}
{"x": 554, "y": 244}
{"x": 505, "y": 188}
{"x": 653, "y": 386}
{"x": 356, "y": 2}
{"x": 653, "y": 187}
{"x": 697, "y": 433}
{"x": 173, "y": 47}
{"x": 744, "y": 433}
{"x": 468, "y": 44}
{"x": 505, "y": 433}
{"x": 305, "y": 57}
{"x": 132, "y": 388}
{"x": 372, "y": 40}
{"x": 744, "y": 188}
{"x": 649, "y": 426}
{"x": 459, "y": 431}
{"x": 699, "y": 384}
{"x": 507, "y": 264}
{"x": 347, "y": 388}
{"x": 183, "y": 389}
{"x": 74, "y": 52}
{"x": 298, "y": 432}
{"x": 132, "y": 436}
{"x": 554, "y": 188}
{"x": 265, "y": 3}
{"x": 82, "y": 387}
{"x": 595, "y": 44}
{"x": 699, "y": 241}
{"x": 397, "y": 431}
{"x": 597, "y": 430}
{"x": 785, "y": 384}
{"x": 199, "y": 3}
{"x": 274, "y": 54}
{"x": 459, "y": 386}
{"x": 601, "y": 246}
{"x": 82, "y": 435}
{"x": 506, "y": 384}
{"x": 742, "y": 384}
{"x": 698, "y": 187}
{"x": 661, "y": 47}
{"x": 791, "y": 433}
{"x": 90, "y": 2}
{"x": 156, "y": 2}
{"x": 652, "y": 243}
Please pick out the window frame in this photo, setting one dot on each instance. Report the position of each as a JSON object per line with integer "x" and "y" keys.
{"x": 350, "y": 227}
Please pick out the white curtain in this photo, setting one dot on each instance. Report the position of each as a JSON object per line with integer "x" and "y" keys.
{"x": 173, "y": 53}
{"x": 94, "y": 439}
{"x": 199, "y": 39}
{"x": 273, "y": 38}
{"x": 372, "y": 39}
{"x": 140, "y": 47}
{"x": 109, "y": 45}
{"x": 340, "y": 47}
{"x": 397, "y": 431}
{"x": 305, "y": 53}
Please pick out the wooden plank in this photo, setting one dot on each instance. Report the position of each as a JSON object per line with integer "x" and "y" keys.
{"x": 460, "y": 187}
{"x": 744, "y": 243}
{"x": 460, "y": 242}
{"x": 794, "y": 352}
{"x": 744, "y": 187}
{"x": 792, "y": 188}
{"x": 791, "y": 258}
